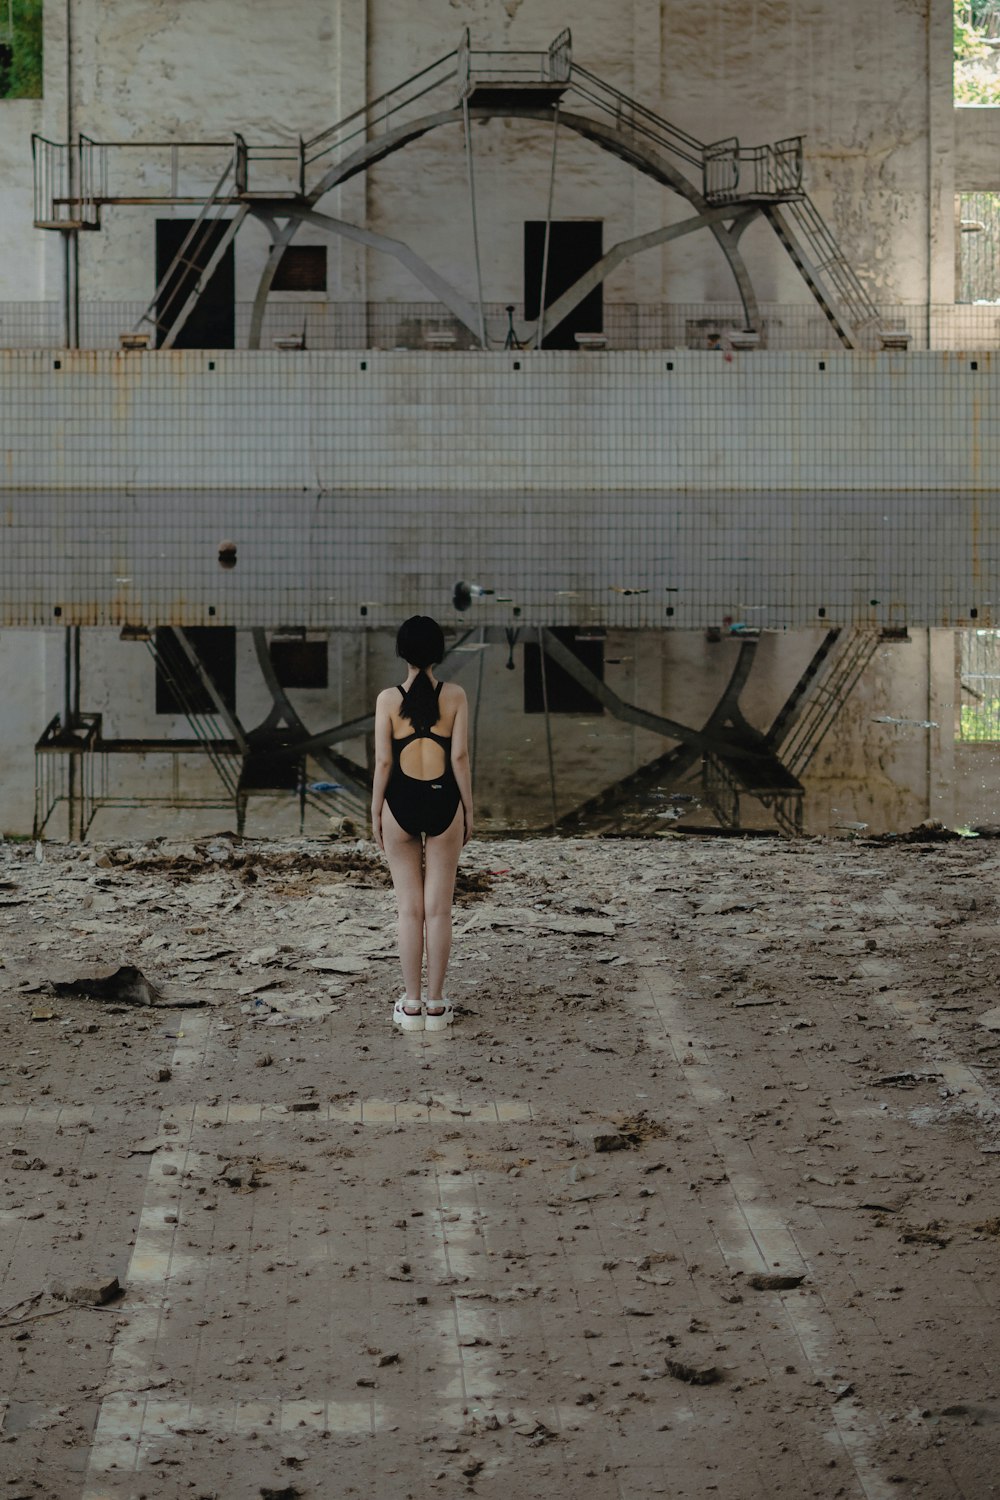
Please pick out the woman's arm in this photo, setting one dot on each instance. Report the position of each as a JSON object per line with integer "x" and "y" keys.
{"x": 383, "y": 764}
{"x": 460, "y": 759}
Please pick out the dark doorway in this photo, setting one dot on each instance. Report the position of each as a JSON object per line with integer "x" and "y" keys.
{"x": 212, "y": 324}
{"x": 300, "y": 663}
{"x": 574, "y": 246}
{"x": 564, "y": 693}
{"x": 179, "y": 689}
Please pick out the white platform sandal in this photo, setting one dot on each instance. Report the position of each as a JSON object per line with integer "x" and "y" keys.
{"x": 402, "y": 1018}
{"x": 440, "y": 1017}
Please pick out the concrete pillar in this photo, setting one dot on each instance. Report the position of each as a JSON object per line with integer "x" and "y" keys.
{"x": 649, "y": 200}
{"x": 350, "y": 201}
{"x": 940, "y": 158}
{"x": 941, "y": 685}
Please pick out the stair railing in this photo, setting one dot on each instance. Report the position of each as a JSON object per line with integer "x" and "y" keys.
{"x": 69, "y": 181}
{"x": 629, "y": 114}
{"x": 559, "y": 58}
{"x": 827, "y": 699}
{"x": 831, "y": 262}
{"x": 159, "y": 306}
{"x": 720, "y": 169}
{"x": 730, "y": 170}
{"x": 377, "y": 113}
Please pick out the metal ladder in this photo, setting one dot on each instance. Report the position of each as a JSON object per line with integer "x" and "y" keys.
{"x": 166, "y": 314}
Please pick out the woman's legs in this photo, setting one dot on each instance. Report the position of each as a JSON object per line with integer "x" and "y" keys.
{"x": 441, "y": 863}
{"x": 404, "y": 853}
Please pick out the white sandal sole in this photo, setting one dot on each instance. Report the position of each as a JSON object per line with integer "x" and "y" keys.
{"x": 404, "y": 1021}
{"x": 442, "y": 1021}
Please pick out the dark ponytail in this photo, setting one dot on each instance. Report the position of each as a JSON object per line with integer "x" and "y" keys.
{"x": 420, "y": 704}
{"x": 420, "y": 642}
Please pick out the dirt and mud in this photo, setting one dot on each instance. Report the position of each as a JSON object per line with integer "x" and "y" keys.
{"x": 697, "y": 1198}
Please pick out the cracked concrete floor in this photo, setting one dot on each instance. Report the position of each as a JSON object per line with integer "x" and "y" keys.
{"x": 358, "y": 1263}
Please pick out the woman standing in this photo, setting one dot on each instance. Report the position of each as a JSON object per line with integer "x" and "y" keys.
{"x": 422, "y": 814}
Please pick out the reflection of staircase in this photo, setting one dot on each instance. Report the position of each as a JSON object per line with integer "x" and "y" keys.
{"x": 175, "y": 667}
{"x": 725, "y": 781}
{"x": 737, "y": 762}
{"x": 630, "y": 803}
{"x": 801, "y": 726}
{"x": 253, "y": 763}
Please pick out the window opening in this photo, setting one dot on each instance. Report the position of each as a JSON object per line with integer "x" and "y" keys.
{"x": 212, "y": 324}
{"x": 300, "y": 664}
{"x": 574, "y": 246}
{"x": 976, "y": 53}
{"x": 565, "y": 694}
{"x": 179, "y": 689}
{"x": 302, "y": 268}
{"x": 978, "y": 264}
{"x": 979, "y": 685}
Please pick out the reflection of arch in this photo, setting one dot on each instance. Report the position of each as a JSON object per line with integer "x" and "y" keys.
{"x": 629, "y": 148}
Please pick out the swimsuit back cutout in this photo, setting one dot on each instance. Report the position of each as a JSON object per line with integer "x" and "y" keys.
{"x": 425, "y": 802}
{"x": 433, "y": 766}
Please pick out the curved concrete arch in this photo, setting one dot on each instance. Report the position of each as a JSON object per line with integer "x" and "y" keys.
{"x": 614, "y": 257}
{"x": 281, "y": 239}
{"x": 626, "y": 147}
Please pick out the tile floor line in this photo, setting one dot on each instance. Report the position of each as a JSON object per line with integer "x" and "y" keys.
{"x": 116, "y": 1449}
{"x": 118, "y": 1418}
{"x": 766, "y": 1239}
{"x": 962, "y": 1080}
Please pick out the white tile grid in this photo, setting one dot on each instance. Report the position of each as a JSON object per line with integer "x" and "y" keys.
{"x": 152, "y": 557}
{"x": 471, "y": 421}
{"x": 361, "y": 326}
{"x": 504, "y": 445}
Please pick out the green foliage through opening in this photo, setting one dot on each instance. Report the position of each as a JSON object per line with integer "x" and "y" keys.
{"x": 20, "y": 49}
{"x": 977, "y": 51}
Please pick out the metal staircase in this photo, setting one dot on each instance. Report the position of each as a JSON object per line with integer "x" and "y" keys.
{"x": 74, "y": 181}
{"x": 823, "y": 267}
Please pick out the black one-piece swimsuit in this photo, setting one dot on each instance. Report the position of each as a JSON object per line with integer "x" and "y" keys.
{"x": 422, "y": 806}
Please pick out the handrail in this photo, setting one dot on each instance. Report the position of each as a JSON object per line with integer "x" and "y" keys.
{"x": 364, "y": 126}
{"x": 58, "y": 189}
{"x": 560, "y": 57}
{"x": 145, "y": 145}
{"x": 372, "y": 104}
{"x": 636, "y": 116}
{"x": 775, "y": 169}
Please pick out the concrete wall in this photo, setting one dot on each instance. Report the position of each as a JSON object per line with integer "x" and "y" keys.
{"x": 869, "y": 86}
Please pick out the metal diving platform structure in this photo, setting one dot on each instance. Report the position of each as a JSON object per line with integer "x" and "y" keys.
{"x": 727, "y": 185}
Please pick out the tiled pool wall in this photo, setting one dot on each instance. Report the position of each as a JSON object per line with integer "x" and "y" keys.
{"x": 456, "y": 421}
{"x": 629, "y": 490}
